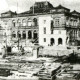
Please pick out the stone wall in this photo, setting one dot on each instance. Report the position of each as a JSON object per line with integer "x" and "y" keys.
{"x": 53, "y": 52}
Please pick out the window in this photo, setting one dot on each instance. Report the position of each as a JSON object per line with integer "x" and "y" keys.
{"x": 52, "y": 24}
{"x": 44, "y": 39}
{"x": 35, "y": 35}
{"x": 13, "y": 23}
{"x": 60, "y": 41}
{"x": 13, "y": 35}
{"x": 52, "y": 41}
{"x": 57, "y": 22}
{"x": 44, "y": 30}
{"x": 24, "y": 22}
{"x": 59, "y": 32}
{"x": 24, "y": 35}
{"x": 29, "y": 22}
{"x": 44, "y": 21}
{"x": 79, "y": 33}
{"x": 18, "y": 22}
{"x": 19, "y": 34}
{"x": 29, "y": 34}
{"x": 35, "y": 21}
{"x": 51, "y": 31}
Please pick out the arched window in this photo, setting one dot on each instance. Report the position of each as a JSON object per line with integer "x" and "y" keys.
{"x": 79, "y": 33}
{"x": 24, "y": 22}
{"x": 52, "y": 41}
{"x": 29, "y": 22}
{"x": 59, "y": 41}
{"x": 29, "y": 34}
{"x": 35, "y": 35}
{"x": 52, "y": 24}
{"x": 13, "y": 34}
{"x": 24, "y": 35}
{"x": 19, "y": 34}
{"x": 35, "y": 21}
{"x": 14, "y": 23}
{"x": 19, "y": 22}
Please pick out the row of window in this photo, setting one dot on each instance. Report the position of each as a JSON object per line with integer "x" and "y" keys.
{"x": 72, "y": 23}
{"x": 25, "y": 23}
{"x": 57, "y": 23}
{"x": 19, "y": 35}
{"x": 35, "y": 35}
{"x": 44, "y": 29}
{"x": 52, "y": 41}
{"x": 74, "y": 34}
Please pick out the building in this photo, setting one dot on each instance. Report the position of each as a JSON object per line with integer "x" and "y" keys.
{"x": 44, "y": 24}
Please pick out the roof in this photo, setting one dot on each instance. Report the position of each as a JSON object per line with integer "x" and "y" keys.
{"x": 75, "y": 13}
{"x": 61, "y": 7}
{"x": 45, "y": 3}
{"x": 9, "y": 12}
{"x": 40, "y": 7}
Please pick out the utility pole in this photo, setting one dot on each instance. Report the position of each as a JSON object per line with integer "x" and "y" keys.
{"x": 33, "y": 10}
{"x": 18, "y": 26}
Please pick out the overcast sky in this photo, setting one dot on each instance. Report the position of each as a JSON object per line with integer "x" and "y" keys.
{"x": 24, "y": 5}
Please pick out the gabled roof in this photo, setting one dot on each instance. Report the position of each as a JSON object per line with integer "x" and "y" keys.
{"x": 61, "y": 7}
{"x": 45, "y": 3}
{"x": 40, "y": 7}
{"x": 75, "y": 13}
{"x": 9, "y": 12}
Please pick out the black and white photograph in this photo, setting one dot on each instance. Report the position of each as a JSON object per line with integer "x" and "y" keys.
{"x": 39, "y": 39}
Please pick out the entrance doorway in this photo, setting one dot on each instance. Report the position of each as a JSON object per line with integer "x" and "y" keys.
{"x": 35, "y": 35}
{"x": 19, "y": 34}
{"x": 24, "y": 35}
{"x": 60, "y": 41}
{"x": 9, "y": 49}
{"x": 29, "y": 34}
{"x": 52, "y": 41}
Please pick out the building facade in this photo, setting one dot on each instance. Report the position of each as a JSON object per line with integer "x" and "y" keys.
{"x": 43, "y": 24}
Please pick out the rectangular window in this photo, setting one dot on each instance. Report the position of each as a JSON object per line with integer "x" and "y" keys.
{"x": 13, "y": 35}
{"x": 57, "y": 22}
{"x": 44, "y": 21}
{"x": 29, "y": 23}
{"x": 44, "y": 30}
{"x": 19, "y": 23}
{"x": 59, "y": 32}
{"x": 44, "y": 39}
{"x": 14, "y": 24}
{"x": 24, "y": 24}
{"x": 51, "y": 31}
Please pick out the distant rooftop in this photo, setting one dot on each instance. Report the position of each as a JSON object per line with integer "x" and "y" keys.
{"x": 8, "y": 14}
{"x": 61, "y": 7}
{"x": 42, "y": 8}
{"x": 75, "y": 13}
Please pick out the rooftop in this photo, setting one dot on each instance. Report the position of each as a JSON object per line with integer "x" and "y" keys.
{"x": 41, "y": 8}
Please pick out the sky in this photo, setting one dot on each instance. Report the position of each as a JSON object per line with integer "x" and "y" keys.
{"x": 24, "y": 5}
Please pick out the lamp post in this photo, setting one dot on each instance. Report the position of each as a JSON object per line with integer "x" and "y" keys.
{"x": 18, "y": 39}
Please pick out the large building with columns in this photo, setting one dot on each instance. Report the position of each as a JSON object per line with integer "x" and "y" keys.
{"x": 44, "y": 24}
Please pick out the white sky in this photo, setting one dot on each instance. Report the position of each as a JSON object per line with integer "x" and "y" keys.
{"x": 24, "y": 5}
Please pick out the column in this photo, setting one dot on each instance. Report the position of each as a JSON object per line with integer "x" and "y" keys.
{"x": 26, "y": 34}
{"x": 56, "y": 41}
{"x": 32, "y": 34}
